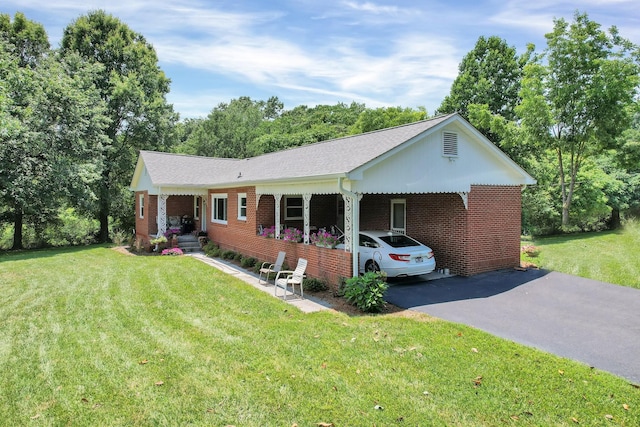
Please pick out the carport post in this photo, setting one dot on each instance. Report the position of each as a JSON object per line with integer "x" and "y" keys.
{"x": 352, "y": 224}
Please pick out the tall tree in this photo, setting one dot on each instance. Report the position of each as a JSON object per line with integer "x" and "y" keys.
{"x": 230, "y": 128}
{"x": 489, "y": 74}
{"x": 576, "y": 103}
{"x": 51, "y": 120}
{"x": 133, "y": 88}
{"x": 25, "y": 39}
{"x": 305, "y": 125}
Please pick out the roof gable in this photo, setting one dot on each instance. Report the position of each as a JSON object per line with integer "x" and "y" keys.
{"x": 347, "y": 157}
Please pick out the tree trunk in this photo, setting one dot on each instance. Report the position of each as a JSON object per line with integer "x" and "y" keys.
{"x": 614, "y": 221}
{"x": 104, "y": 208}
{"x": 17, "y": 230}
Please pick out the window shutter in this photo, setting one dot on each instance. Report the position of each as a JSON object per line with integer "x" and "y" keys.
{"x": 449, "y": 144}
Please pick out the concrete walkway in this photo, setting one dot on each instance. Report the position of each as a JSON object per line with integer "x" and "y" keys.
{"x": 304, "y": 304}
{"x": 593, "y": 322}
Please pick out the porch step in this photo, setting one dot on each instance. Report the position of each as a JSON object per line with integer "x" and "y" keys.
{"x": 189, "y": 243}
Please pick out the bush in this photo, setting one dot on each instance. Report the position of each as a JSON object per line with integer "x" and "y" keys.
{"x": 228, "y": 255}
{"x": 237, "y": 257}
{"x": 120, "y": 238}
{"x": 315, "y": 285}
{"x": 366, "y": 292}
{"x": 211, "y": 250}
{"x": 248, "y": 262}
{"x": 71, "y": 229}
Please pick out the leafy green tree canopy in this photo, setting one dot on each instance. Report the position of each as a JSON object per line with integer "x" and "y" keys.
{"x": 489, "y": 74}
{"x": 382, "y": 118}
{"x": 134, "y": 90}
{"x": 52, "y": 123}
{"x": 577, "y": 103}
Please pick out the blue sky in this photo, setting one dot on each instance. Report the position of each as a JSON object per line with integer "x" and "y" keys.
{"x": 380, "y": 52}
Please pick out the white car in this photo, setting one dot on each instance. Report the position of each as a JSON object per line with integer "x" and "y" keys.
{"x": 395, "y": 254}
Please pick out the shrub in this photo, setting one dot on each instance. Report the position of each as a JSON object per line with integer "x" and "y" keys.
{"x": 366, "y": 292}
{"x": 71, "y": 229}
{"x": 119, "y": 238}
{"x": 228, "y": 255}
{"x": 315, "y": 285}
{"x": 530, "y": 250}
{"x": 248, "y": 262}
{"x": 211, "y": 249}
{"x": 237, "y": 257}
{"x": 158, "y": 240}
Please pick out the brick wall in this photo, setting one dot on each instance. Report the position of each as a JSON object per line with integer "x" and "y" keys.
{"x": 494, "y": 228}
{"x": 483, "y": 238}
{"x": 329, "y": 265}
{"x": 142, "y": 224}
{"x": 437, "y": 220}
{"x": 180, "y": 206}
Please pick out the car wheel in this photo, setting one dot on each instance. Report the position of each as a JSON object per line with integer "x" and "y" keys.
{"x": 371, "y": 265}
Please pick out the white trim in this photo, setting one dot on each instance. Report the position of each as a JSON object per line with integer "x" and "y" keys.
{"x": 286, "y": 208}
{"x": 403, "y": 203}
{"x": 196, "y": 207}
{"x": 214, "y": 207}
{"x": 240, "y": 206}
{"x": 141, "y": 206}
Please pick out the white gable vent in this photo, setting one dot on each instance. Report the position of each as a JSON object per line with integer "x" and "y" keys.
{"x": 449, "y": 144}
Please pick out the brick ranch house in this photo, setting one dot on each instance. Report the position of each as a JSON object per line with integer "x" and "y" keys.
{"x": 439, "y": 180}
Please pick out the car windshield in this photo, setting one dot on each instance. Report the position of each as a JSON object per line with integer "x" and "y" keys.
{"x": 399, "y": 241}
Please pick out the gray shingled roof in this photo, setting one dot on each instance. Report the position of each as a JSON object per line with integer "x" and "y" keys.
{"x": 333, "y": 157}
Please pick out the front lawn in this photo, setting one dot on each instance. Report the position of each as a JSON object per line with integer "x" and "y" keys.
{"x": 94, "y": 337}
{"x": 610, "y": 256}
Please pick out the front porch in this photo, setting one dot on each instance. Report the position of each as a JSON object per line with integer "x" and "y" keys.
{"x": 181, "y": 215}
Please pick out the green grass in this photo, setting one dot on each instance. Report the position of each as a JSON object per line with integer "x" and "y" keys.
{"x": 610, "y": 256}
{"x": 93, "y": 337}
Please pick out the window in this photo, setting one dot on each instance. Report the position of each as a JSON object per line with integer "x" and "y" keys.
{"x": 398, "y": 215}
{"x": 292, "y": 207}
{"x": 219, "y": 210}
{"x": 141, "y": 204}
{"x": 196, "y": 207}
{"x": 449, "y": 144}
{"x": 242, "y": 206}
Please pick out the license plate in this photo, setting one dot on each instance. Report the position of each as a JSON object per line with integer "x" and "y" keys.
{"x": 418, "y": 259}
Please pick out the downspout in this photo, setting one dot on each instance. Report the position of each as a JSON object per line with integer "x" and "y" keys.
{"x": 355, "y": 227}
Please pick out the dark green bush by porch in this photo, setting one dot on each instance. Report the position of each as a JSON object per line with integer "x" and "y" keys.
{"x": 367, "y": 291}
{"x": 315, "y": 285}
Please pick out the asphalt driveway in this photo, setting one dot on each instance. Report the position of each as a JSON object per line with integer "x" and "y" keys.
{"x": 593, "y": 322}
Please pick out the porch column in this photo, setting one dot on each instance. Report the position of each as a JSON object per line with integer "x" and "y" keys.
{"x": 306, "y": 199}
{"x": 352, "y": 228}
{"x": 278, "y": 197}
{"x": 162, "y": 213}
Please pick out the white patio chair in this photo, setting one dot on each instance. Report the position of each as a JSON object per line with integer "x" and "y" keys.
{"x": 285, "y": 278}
{"x": 268, "y": 268}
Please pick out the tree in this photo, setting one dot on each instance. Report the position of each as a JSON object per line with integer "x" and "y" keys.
{"x": 305, "y": 125}
{"x": 133, "y": 88}
{"x": 382, "y": 118}
{"x": 489, "y": 74}
{"x": 25, "y": 39}
{"x": 577, "y": 103}
{"x": 51, "y": 124}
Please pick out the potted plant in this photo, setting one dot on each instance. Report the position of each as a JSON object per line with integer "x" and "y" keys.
{"x": 324, "y": 239}
{"x": 292, "y": 234}
{"x": 159, "y": 243}
{"x": 269, "y": 232}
